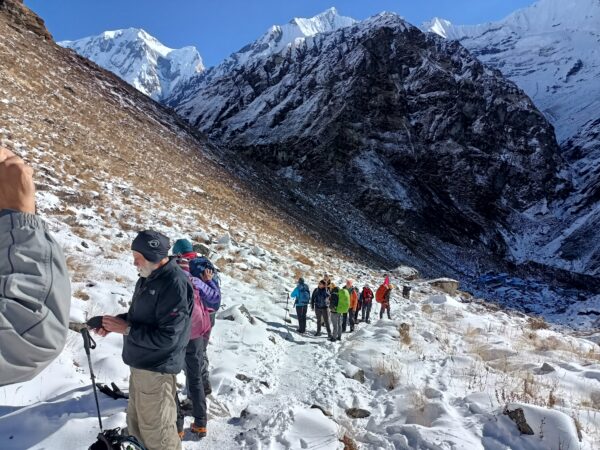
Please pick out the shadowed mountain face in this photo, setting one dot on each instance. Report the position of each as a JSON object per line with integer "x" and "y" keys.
{"x": 405, "y": 127}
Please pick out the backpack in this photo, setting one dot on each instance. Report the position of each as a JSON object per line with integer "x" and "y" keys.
{"x": 198, "y": 265}
{"x": 333, "y": 299}
{"x": 380, "y": 294}
{"x": 201, "y": 324}
{"x": 113, "y": 440}
{"x": 304, "y": 295}
{"x": 367, "y": 295}
{"x": 343, "y": 301}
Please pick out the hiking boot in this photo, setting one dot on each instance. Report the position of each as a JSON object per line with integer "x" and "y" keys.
{"x": 198, "y": 430}
{"x": 207, "y": 390}
{"x": 317, "y": 334}
{"x": 181, "y": 435}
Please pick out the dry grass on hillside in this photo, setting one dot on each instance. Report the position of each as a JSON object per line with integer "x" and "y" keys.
{"x": 97, "y": 142}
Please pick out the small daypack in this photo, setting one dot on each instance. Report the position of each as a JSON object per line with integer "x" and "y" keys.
{"x": 304, "y": 295}
{"x": 201, "y": 324}
{"x": 380, "y": 294}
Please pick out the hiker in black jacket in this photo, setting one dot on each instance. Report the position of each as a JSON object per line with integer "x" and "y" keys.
{"x": 319, "y": 303}
{"x": 155, "y": 330}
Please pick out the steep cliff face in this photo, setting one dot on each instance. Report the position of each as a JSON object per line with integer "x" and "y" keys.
{"x": 552, "y": 51}
{"x": 22, "y": 17}
{"x": 407, "y": 127}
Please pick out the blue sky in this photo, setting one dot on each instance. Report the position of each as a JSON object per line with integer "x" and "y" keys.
{"x": 220, "y": 27}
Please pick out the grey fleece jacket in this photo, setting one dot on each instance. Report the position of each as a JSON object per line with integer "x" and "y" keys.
{"x": 35, "y": 297}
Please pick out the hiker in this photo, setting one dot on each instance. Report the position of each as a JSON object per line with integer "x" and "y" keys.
{"x": 336, "y": 315}
{"x": 156, "y": 332}
{"x": 36, "y": 292}
{"x": 383, "y": 297}
{"x": 301, "y": 296}
{"x": 359, "y": 307}
{"x": 182, "y": 248}
{"x": 194, "y": 354}
{"x": 348, "y": 318}
{"x": 204, "y": 271}
{"x": 367, "y": 301}
{"x": 319, "y": 303}
{"x": 210, "y": 291}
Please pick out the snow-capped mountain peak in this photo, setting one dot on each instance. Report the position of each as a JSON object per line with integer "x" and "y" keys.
{"x": 279, "y": 37}
{"x": 326, "y": 21}
{"x": 438, "y": 26}
{"x": 140, "y": 59}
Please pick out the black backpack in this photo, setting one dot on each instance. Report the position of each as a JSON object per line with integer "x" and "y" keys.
{"x": 113, "y": 440}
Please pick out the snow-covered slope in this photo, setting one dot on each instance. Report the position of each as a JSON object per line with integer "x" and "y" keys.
{"x": 551, "y": 50}
{"x": 140, "y": 59}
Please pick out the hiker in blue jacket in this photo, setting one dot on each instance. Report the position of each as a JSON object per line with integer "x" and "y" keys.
{"x": 301, "y": 296}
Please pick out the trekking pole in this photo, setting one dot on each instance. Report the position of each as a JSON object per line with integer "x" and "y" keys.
{"x": 287, "y": 301}
{"x": 285, "y": 320}
{"x": 89, "y": 343}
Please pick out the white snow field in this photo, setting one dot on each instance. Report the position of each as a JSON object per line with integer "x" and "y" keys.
{"x": 444, "y": 384}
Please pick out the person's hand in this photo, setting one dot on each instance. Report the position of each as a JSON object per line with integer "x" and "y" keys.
{"x": 17, "y": 190}
{"x": 101, "y": 331}
{"x": 116, "y": 324}
{"x": 207, "y": 274}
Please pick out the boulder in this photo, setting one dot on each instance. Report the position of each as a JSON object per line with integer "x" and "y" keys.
{"x": 518, "y": 417}
{"x": 447, "y": 285}
{"x": 357, "y": 413}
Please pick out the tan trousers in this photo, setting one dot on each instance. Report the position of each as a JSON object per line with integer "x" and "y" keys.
{"x": 151, "y": 412}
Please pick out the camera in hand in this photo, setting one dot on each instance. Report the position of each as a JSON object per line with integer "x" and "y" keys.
{"x": 95, "y": 322}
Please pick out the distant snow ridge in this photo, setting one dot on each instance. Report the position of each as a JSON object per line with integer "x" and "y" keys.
{"x": 550, "y": 49}
{"x": 140, "y": 59}
{"x": 275, "y": 40}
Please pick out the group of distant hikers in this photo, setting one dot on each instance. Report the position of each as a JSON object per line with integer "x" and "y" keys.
{"x": 340, "y": 306}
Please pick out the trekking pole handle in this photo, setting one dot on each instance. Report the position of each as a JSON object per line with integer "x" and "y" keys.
{"x": 88, "y": 342}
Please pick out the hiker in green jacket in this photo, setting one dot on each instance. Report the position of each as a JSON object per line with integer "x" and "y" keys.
{"x": 339, "y": 307}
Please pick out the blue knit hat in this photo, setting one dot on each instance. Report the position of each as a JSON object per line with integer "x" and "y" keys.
{"x": 182, "y": 246}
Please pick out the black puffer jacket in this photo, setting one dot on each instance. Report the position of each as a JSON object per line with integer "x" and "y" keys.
{"x": 160, "y": 320}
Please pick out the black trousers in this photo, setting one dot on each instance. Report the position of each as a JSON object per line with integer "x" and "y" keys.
{"x": 194, "y": 360}
{"x": 301, "y": 312}
{"x": 348, "y": 318}
{"x": 366, "y": 311}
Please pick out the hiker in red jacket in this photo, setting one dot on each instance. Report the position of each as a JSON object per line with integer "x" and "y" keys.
{"x": 383, "y": 296}
{"x": 367, "y": 301}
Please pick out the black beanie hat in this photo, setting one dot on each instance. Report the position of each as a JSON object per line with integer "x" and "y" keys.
{"x": 153, "y": 245}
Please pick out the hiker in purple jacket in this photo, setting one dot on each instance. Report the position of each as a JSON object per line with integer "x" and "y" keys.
{"x": 194, "y": 356}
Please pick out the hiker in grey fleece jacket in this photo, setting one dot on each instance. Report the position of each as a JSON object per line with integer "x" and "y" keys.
{"x": 35, "y": 292}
